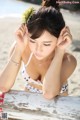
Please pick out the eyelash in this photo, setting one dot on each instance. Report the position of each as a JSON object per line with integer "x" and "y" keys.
{"x": 32, "y": 41}
{"x": 47, "y": 44}
{"x": 44, "y": 44}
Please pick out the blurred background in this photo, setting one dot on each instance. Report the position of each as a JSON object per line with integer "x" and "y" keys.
{"x": 16, "y": 7}
{"x": 10, "y": 20}
{"x": 72, "y": 5}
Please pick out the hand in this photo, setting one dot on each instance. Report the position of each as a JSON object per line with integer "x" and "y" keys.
{"x": 22, "y": 38}
{"x": 64, "y": 39}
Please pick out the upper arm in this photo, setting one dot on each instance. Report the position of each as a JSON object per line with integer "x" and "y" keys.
{"x": 68, "y": 67}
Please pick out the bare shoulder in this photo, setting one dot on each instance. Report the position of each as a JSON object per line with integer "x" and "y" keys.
{"x": 70, "y": 59}
{"x": 68, "y": 66}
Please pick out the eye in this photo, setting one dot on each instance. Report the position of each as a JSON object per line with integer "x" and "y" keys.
{"x": 33, "y": 41}
{"x": 47, "y": 44}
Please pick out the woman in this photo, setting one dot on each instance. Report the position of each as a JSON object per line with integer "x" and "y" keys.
{"x": 41, "y": 47}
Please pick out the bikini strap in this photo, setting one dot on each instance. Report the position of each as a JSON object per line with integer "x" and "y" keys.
{"x": 29, "y": 60}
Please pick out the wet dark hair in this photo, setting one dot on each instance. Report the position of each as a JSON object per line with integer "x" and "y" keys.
{"x": 48, "y": 17}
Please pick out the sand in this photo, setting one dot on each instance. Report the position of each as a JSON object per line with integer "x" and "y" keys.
{"x": 8, "y": 26}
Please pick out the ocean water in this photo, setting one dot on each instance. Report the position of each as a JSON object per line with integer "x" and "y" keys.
{"x": 13, "y": 8}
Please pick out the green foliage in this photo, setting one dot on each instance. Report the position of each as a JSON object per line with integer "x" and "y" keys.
{"x": 27, "y": 14}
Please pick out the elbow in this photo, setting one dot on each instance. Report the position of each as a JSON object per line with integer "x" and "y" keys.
{"x": 49, "y": 96}
{"x": 4, "y": 89}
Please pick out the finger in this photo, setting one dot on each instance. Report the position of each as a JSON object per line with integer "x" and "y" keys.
{"x": 63, "y": 42}
{"x": 67, "y": 28}
{"x": 62, "y": 31}
{"x": 60, "y": 39}
{"x": 26, "y": 29}
{"x": 67, "y": 35}
{"x": 20, "y": 32}
{"x": 18, "y": 35}
{"x": 67, "y": 39}
{"x": 26, "y": 37}
{"x": 22, "y": 28}
{"x": 68, "y": 31}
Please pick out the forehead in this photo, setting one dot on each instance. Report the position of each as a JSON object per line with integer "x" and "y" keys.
{"x": 46, "y": 36}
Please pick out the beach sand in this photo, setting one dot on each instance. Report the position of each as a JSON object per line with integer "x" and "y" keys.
{"x": 8, "y": 26}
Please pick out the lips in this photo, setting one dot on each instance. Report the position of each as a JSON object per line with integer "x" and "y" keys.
{"x": 38, "y": 55}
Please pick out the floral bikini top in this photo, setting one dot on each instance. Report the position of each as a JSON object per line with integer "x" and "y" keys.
{"x": 29, "y": 80}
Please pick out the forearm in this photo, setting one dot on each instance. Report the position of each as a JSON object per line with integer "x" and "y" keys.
{"x": 10, "y": 72}
{"x": 51, "y": 82}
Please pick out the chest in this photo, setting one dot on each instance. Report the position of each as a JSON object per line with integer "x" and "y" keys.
{"x": 42, "y": 68}
{"x": 35, "y": 69}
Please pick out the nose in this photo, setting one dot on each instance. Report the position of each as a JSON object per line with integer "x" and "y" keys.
{"x": 38, "y": 47}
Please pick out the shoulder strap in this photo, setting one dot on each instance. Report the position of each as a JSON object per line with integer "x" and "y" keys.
{"x": 29, "y": 60}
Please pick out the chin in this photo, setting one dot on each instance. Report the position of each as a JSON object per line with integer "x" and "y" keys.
{"x": 39, "y": 58}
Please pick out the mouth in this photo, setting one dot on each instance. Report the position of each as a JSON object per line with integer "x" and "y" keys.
{"x": 38, "y": 55}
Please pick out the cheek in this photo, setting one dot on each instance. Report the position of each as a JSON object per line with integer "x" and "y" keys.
{"x": 53, "y": 46}
{"x": 49, "y": 49}
{"x": 32, "y": 46}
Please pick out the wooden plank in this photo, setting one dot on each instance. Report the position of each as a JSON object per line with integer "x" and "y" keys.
{"x": 32, "y": 106}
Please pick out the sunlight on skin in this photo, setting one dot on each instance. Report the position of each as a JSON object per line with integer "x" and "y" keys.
{"x": 43, "y": 46}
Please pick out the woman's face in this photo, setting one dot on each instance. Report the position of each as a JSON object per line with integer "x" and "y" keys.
{"x": 43, "y": 46}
